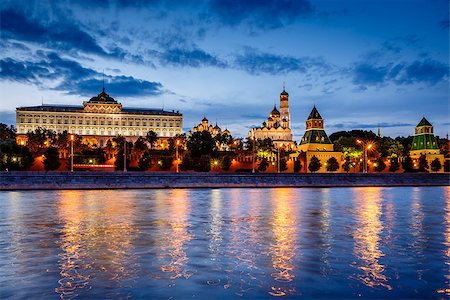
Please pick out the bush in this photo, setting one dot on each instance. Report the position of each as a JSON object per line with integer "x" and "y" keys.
{"x": 407, "y": 164}
{"x": 297, "y": 166}
{"x": 283, "y": 165}
{"x": 380, "y": 165}
{"x": 166, "y": 163}
{"x": 332, "y": 164}
{"x": 202, "y": 164}
{"x": 225, "y": 163}
{"x": 314, "y": 164}
{"x": 187, "y": 163}
{"x": 394, "y": 166}
{"x": 51, "y": 161}
{"x": 145, "y": 162}
{"x": 435, "y": 165}
{"x": 263, "y": 165}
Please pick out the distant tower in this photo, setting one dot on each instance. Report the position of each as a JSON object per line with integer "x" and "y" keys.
{"x": 284, "y": 108}
{"x": 379, "y": 131}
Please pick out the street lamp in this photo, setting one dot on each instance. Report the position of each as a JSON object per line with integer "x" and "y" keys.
{"x": 365, "y": 148}
{"x": 125, "y": 155}
{"x": 71, "y": 153}
{"x": 176, "y": 151}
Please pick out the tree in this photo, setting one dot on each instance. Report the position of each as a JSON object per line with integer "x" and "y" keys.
{"x": 139, "y": 147}
{"x": 435, "y": 165}
{"x": 283, "y": 165}
{"x": 314, "y": 164}
{"x": 407, "y": 164}
{"x": 297, "y": 166}
{"x": 263, "y": 164}
{"x": 51, "y": 160}
{"x": 145, "y": 162}
{"x": 7, "y": 133}
{"x": 332, "y": 164}
{"x": 186, "y": 163}
{"x": 423, "y": 163}
{"x": 13, "y": 156}
{"x": 201, "y": 143}
{"x": 226, "y": 162}
{"x": 166, "y": 163}
{"x": 151, "y": 138}
{"x": 36, "y": 140}
{"x": 202, "y": 163}
{"x": 394, "y": 166}
{"x": 347, "y": 165}
{"x": 380, "y": 165}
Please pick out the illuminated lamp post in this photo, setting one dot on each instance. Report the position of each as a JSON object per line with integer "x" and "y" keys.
{"x": 71, "y": 153}
{"x": 365, "y": 148}
{"x": 278, "y": 160}
{"x": 176, "y": 153}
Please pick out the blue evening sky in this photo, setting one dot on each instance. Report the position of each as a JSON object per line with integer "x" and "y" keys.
{"x": 364, "y": 64}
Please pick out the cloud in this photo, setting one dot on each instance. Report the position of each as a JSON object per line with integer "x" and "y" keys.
{"x": 256, "y": 62}
{"x": 426, "y": 71}
{"x": 266, "y": 14}
{"x": 191, "y": 58}
{"x": 358, "y": 125}
{"x": 59, "y": 35}
{"x": 73, "y": 78}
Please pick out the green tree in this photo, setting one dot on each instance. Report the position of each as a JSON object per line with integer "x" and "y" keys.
{"x": 202, "y": 163}
{"x": 314, "y": 164}
{"x": 7, "y": 133}
{"x": 380, "y": 165}
{"x": 151, "y": 138}
{"x": 263, "y": 165}
{"x": 226, "y": 162}
{"x": 13, "y": 156}
{"x": 347, "y": 165}
{"x": 145, "y": 162}
{"x": 37, "y": 141}
{"x": 394, "y": 166}
{"x": 283, "y": 165}
{"x": 332, "y": 164}
{"x": 423, "y": 163}
{"x": 186, "y": 163}
{"x": 51, "y": 160}
{"x": 435, "y": 165}
{"x": 297, "y": 166}
{"x": 201, "y": 143}
{"x": 407, "y": 164}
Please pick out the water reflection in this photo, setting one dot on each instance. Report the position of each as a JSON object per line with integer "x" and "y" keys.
{"x": 175, "y": 233}
{"x": 446, "y": 290}
{"x": 95, "y": 240}
{"x": 284, "y": 247}
{"x": 366, "y": 235}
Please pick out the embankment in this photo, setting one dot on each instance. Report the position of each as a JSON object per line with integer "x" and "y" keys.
{"x": 131, "y": 180}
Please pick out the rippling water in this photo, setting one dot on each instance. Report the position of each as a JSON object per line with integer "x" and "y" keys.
{"x": 225, "y": 243}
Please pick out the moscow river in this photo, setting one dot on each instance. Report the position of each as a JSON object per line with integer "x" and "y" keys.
{"x": 226, "y": 243}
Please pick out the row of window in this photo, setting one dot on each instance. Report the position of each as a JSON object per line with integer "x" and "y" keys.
{"x": 109, "y": 132}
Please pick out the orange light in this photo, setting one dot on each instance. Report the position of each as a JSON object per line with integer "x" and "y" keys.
{"x": 369, "y": 146}
{"x": 359, "y": 141}
{"x": 178, "y": 142}
{"x": 71, "y": 137}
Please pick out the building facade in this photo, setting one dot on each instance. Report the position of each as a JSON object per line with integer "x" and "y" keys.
{"x": 205, "y": 126}
{"x": 425, "y": 143}
{"x": 315, "y": 142}
{"x": 278, "y": 125}
{"x": 98, "y": 120}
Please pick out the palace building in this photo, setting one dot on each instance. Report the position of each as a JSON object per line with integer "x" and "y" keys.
{"x": 315, "y": 142}
{"x": 98, "y": 120}
{"x": 205, "y": 126}
{"x": 425, "y": 143}
{"x": 278, "y": 125}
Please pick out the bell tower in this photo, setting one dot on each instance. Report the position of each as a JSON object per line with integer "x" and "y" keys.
{"x": 284, "y": 109}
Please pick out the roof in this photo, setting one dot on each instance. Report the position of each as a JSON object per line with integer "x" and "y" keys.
{"x": 204, "y": 119}
{"x": 315, "y": 136}
{"x": 314, "y": 114}
{"x": 424, "y": 142}
{"x": 284, "y": 93}
{"x": 103, "y": 97}
{"x": 79, "y": 108}
{"x": 274, "y": 111}
{"x": 424, "y": 122}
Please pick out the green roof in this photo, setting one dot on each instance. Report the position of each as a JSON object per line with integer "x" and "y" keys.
{"x": 315, "y": 136}
{"x": 424, "y": 122}
{"x": 424, "y": 141}
{"x": 314, "y": 114}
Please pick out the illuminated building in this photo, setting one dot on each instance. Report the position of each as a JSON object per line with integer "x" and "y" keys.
{"x": 205, "y": 126}
{"x": 315, "y": 142}
{"x": 425, "y": 143}
{"x": 278, "y": 125}
{"x": 97, "y": 120}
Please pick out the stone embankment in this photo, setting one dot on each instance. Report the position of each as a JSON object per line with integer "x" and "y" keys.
{"x": 131, "y": 180}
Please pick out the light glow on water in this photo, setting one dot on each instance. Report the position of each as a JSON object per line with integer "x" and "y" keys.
{"x": 226, "y": 243}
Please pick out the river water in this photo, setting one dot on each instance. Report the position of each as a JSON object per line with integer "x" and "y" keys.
{"x": 226, "y": 243}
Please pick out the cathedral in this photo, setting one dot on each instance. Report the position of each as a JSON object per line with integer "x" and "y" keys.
{"x": 205, "y": 126}
{"x": 278, "y": 125}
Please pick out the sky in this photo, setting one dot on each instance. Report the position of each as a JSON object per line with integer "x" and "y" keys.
{"x": 364, "y": 64}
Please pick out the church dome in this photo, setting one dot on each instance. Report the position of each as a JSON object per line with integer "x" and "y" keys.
{"x": 204, "y": 119}
{"x": 274, "y": 112}
{"x": 284, "y": 93}
{"x": 103, "y": 97}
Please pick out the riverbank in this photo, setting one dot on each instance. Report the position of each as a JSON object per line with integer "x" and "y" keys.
{"x": 147, "y": 180}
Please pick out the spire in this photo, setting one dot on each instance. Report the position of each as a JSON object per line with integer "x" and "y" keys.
{"x": 284, "y": 87}
{"x": 103, "y": 80}
{"x": 379, "y": 131}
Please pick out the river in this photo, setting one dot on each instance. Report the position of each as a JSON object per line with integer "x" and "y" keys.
{"x": 329, "y": 243}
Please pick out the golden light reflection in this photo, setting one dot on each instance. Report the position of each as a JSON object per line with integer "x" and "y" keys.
{"x": 368, "y": 227}
{"x": 96, "y": 238}
{"x": 175, "y": 234}
{"x": 283, "y": 247}
{"x": 215, "y": 240}
{"x": 446, "y": 290}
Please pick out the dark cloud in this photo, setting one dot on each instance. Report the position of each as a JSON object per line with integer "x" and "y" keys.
{"x": 266, "y": 14}
{"x": 256, "y": 62}
{"x": 59, "y": 35}
{"x": 73, "y": 77}
{"x": 189, "y": 58}
{"x": 426, "y": 71}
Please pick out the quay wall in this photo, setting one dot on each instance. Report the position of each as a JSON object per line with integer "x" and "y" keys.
{"x": 131, "y": 180}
